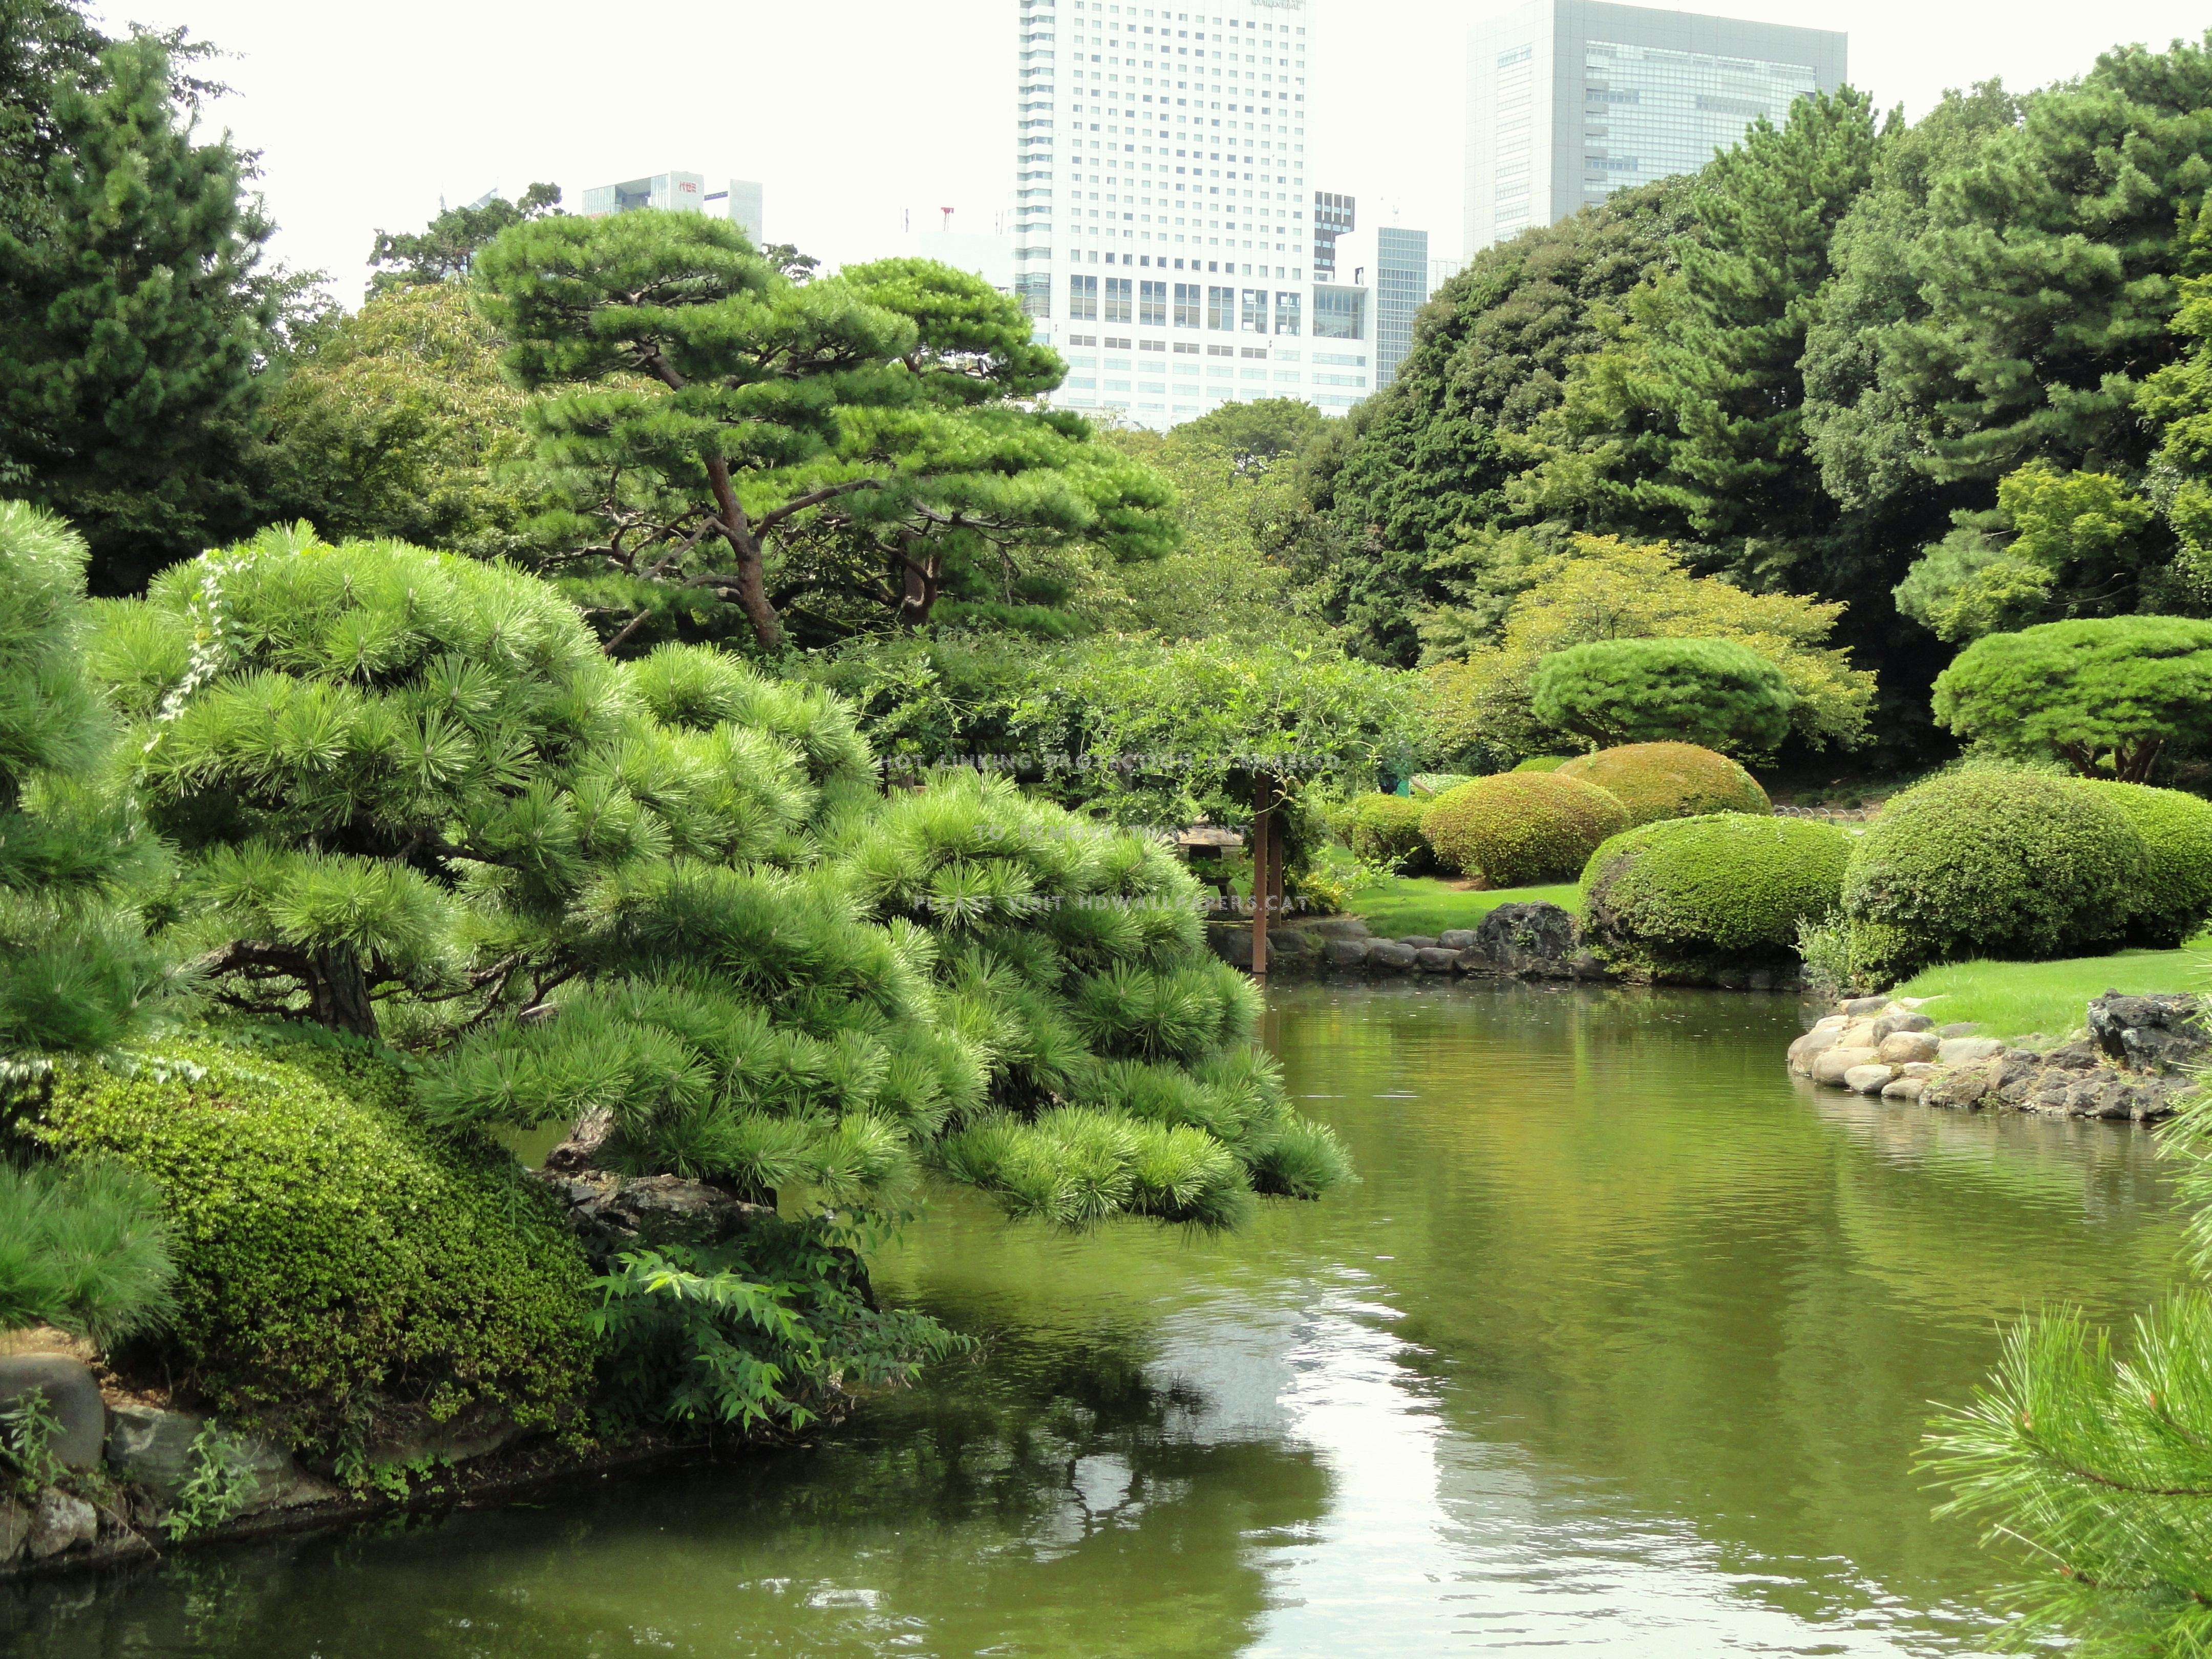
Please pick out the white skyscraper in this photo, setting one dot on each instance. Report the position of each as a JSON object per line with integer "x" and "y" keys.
{"x": 1570, "y": 101}
{"x": 1163, "y": 219}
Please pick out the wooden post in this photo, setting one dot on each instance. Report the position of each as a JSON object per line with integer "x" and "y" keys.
{"x": 1275, "y": 850}
{"x": 1263, "y": 854}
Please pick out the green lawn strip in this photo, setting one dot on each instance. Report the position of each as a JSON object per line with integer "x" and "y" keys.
{"x": 2017, "y": 999}
{"x": 1405, "y": 905}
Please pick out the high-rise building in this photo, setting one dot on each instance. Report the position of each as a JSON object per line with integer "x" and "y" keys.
{"x": 738, "y": 200}
{"x": 1163, "y": 239}
{"x": 1393, "y": 263}
{"x": 1333, "y": 215}
{"x": 1570, "y": 101}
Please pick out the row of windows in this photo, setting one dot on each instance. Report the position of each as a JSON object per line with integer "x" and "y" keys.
{"x": 1147, "y": 303}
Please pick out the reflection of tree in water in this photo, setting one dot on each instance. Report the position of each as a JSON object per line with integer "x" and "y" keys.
{"x": 1049, "y": 1499}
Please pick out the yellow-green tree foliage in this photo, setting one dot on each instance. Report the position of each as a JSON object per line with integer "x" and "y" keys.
{"x": 1604, "y": 588}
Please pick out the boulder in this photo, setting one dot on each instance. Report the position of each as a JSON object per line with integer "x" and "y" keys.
{"x": 1918, "y": 1068}
{"x": 1337, "y": 927}
{"x": 1905, "y": 1048}
{"x": 1387, "y": 955}
{"x": 1886, "y": 1025}
{"x": 1456, "y": 939}
{"x": 1869, "y": 1080}
{"x": 1344, "y": 952}
{"x": 610, "y": 1212}
{"x": 1957, "y": 1027}
{"x": 153, "y": 1449}
{"x": 1905, "y": 1088}
{"x": 15, "y": 1528}
{"x": 1964, "y": 1086}
{"x": 1420, "y": 941}
{"x": 2159, "y": 1034}
{"x": 59, "y": 1521}
{"x": 1435, "y": 959}
{"x": 1859, "y": 1034}
{"x": 1830, "y": 1066}
{"x": 1966, "y": 1050}
{"x": 411, "y": 1439}
{"x": 1862, "y": 1007}
{"x": 1809, "y": 1047}
{"x": 1530, "y": 941}
{"x": 72, "y": 1393}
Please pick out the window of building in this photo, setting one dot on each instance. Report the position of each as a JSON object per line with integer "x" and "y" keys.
{"x": 1082, "y": 299}
{"x": 1288, "y": 310}
{"x": 1118, "y": 305}
{"x": 1255, "y": 319}
{"x": 1221, "y": 307}
{"x": 1035, "y": 292}
{"x": 1186, "y": 298}
{"x": 1152, "y": 304}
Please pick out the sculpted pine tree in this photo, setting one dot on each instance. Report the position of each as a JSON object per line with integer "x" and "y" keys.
{"x": 712, "y": 426}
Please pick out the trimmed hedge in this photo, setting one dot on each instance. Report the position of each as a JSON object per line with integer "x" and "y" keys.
{"x": 1685, "y": 898}
{"x": 1719, "y": 692}
{"x": 1543, "y": 762}
{"x": 334, "y": 1255}
{"x": 1985, "y": 863}
{"x": 1386, "y": 829}
{"x": 1516, "y": 829}
{"x": 2176, "y": 899}
{"x": 1656, "y": 780}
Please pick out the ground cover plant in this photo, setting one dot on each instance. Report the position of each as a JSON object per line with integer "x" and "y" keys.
{"x": 2016, "y": 999}
{"x": 1400, "y": 907}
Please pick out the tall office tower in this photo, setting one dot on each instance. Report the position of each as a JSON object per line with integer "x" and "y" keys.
{"x": 1162, "y": 236}
{"x": 1570, "y": 101}
{"x": 1393, "y": 263}
{"x": 1333, "y": 215}
{"x": 738, "y": 200}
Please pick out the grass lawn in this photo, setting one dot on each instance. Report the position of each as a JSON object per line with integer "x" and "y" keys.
{"x": 2015, "y": 999}
{"x": 1422, "y": 904}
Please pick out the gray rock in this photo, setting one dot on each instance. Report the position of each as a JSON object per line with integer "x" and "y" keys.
{"x": 2073, "y": 1057}
{"x": 1957, "y": 1027}
{"x": 1886, "y": 1025}
{"x": 153, "y": 1449}
{"x": 1530, "y": 941}
{"x": 72, "y": 1393}
{"x": 1859, "y": 1034}
{"x": 1809, "y": 1047}
{"x": 1344, "y": 952}
{"x": 1918, "y": 1068}
{"x": 1862, "y": 1007}
{"x": 2158, "y": 1034}
{"x": 15, "y": 1528}
{"x": 1456, "y": 939}
{"x": 1904, "y": 1048}
{"x": 472, "y": 1434}
{"x": 1435, "y": 959}
{"x": 1337, "y": 927}
{"x": 1905, "y": 1088}
{"x": 610, "y": 1212}
{"x": 1869, "y": 1080}
{"x": 1963, "y": 1086}
{"x": 1420, "y": 941}
{"x": 1963, "y": 1051}
{"x": 1387, "y": 955}
{"x": 58, "y": 1522}
{"x": 1830, "y": 1066}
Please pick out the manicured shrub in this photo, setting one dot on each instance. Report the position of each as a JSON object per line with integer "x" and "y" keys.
{"x": 1517, "y": 827}
{"x": 1387, "y": 830}
{"x": 1543, "y": 762}
{"x": 1683, "y": 898}
{"x": 335, "y": 1255}
{"x": 1715, "y": 692}
{"x": 1987, "y": 863}
{"x": 1657, "y": 781}
{"x": 2176, "y": 899}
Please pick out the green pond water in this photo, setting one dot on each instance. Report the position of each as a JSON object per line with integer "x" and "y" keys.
{"x": 1621, "y": 1345}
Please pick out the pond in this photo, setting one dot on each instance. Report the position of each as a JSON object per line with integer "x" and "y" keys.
{"x": 1622, "y": 1345}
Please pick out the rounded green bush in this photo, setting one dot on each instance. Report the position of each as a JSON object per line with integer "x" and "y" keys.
{"x": 1657, "y": 781}
{"x": 1517, "y": 827}
{"x": 1985, "y": 863}
{"x": 1683, "y": 898}
{"x": 1717, "y": 692}
{"x": 336, "y": 1258}
{"x": 1387, "y": 830}
{"x": 1543, "y": 762}
{"x": 2176, "y": 899}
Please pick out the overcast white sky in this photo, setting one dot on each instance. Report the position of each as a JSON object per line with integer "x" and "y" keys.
{"x": 854, "y": 112}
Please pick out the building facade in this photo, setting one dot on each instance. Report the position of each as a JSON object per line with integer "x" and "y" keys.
{"x": 1164, "y": 229}
{"x": 737, "y": 200}
{"x": 1570, "y": 101}
{"x": 1391, "y": 263}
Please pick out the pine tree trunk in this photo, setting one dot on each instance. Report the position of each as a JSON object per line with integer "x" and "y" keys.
{"x": 338, "y": 991}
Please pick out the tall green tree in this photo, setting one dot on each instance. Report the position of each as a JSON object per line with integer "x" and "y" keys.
{"x": 135, "y": 322}
{"x": 709, "y": 426}
{"x": 1412, "y": 486}
{"x": 445, "y": 249}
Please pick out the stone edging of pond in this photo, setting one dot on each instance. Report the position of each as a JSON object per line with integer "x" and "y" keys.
{"x": 1534, "y": 940}
{"x": 2129, "y": 1064}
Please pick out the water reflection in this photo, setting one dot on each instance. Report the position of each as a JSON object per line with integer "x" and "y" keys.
{"x": 1622, "y": 1345}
